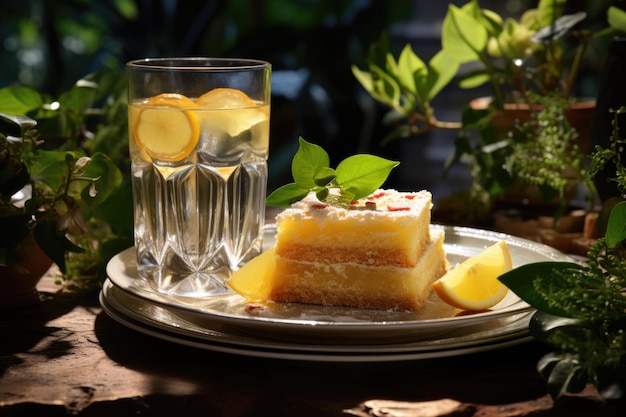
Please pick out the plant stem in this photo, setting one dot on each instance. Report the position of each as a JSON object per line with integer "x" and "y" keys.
{"x": 580, "y": 52}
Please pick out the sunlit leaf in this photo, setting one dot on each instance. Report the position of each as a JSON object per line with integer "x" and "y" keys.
{"x": 442, "y": 69}
{"x": 617, "y": 18}
{"x": 286, "y": 195}
{"x": 462, "y": 36}
{"x": 363, "y": 174}
{"x": 18, "y": 101}
{"x": 308, "y": 161}
{"x": 410, "y": 69}
{"x": 385, "y": 88}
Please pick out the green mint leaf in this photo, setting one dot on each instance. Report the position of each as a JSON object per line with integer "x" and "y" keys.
{"x": 286, "y": 195}
{"x": 616, "y": 228}
{"x": 355, "y": 177}
{"x": 322, "y": 194}
{"x": 324, "y": 177}
{"x": 363, "y": 174}
{"x": 307, "y": 162}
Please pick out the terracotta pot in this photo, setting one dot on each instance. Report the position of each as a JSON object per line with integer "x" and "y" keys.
{"x": 18, "y": 282}
{"x": 579, "y": 115}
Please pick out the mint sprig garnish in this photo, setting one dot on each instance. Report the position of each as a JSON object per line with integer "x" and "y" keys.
{"x": 355, "y": 177}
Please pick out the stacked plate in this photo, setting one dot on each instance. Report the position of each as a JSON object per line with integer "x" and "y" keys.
{"x": 307, "y": 332}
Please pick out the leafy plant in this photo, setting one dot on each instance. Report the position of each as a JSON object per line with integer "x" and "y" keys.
{"x": 355, "y": 177}
{"x": 582, "y": 308}
{"x": 523, "y": 61}
{"x": 548, "y": 154}
{"x": 56, "y": 181}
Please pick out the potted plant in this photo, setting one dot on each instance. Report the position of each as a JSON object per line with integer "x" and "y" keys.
{"x": 54, "y": 178}
{"x": 524, "y": 62}
{"x": 582, "y": 307}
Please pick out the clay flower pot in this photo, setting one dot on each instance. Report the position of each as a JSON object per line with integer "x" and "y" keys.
{"x": 18, "y": 282}
{"x": 579, "y": 115}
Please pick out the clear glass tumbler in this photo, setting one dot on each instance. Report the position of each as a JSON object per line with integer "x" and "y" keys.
{"x": 198, "y": 138}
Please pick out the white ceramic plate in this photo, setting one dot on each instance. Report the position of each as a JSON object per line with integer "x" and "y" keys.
{"x": 182, "y": 328}
{"x": 333, "y": 325}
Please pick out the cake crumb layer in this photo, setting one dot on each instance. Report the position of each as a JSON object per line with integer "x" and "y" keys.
{"x": 361, "y": 286}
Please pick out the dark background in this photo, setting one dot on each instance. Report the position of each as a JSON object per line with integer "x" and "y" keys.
{"x": 311, "y": 44}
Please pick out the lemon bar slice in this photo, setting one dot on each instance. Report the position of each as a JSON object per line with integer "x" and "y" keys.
{"x": 357, "y": 285}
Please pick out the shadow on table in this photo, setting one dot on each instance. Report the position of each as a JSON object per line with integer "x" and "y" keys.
{"x": 497, "y": 377}
{"x": 22, "y": 329}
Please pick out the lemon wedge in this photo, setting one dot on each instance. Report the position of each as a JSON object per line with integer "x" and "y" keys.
{"x": 473, "y": 284}
{"x": 165, "y": 128}
{"x": 253, "y": 280}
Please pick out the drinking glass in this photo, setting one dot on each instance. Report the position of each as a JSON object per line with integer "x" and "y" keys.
{"x": 198, "y": 139}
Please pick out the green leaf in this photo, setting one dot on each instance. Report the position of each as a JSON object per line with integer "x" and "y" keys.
{"x": 566, "y": 376}
{"x": 286, "y": 195}
{"x": 108, "y": 179}
{"x": 492, "y": 22}
{"x": 322, "y": 194}
{"x": 617, "y": 18}
{"x": 18, "y": 101}
{"x": 364, "y": 78}
{"x": 117, "y": 211}
{"x": 616, "y": 227}
{"x": 54, "y": 243}
{"x": 355, "y": 177}
{"x": 49, "y": 168}
{"x": 325, "y": 176}
{"x": 462, "y": 36}
{"x": 462, "y": 147}
{"x": 520, "y": 281}
{"x": 385, "y": 87}
{"x": 542, "y": 325}
{"x": 475, "y": 79}
{"x": 79, "y": 98}
{"x": 548, "y": 10}
{"x": 411, "y": 70}
{"x": 442, "y": 69}
{"x": 308, "y": 161}
{"x": 363, "y": 174}
{"x": 378, "y": 52}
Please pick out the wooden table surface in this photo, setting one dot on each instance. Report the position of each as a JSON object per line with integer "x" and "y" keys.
{"x": 65, "y": 356}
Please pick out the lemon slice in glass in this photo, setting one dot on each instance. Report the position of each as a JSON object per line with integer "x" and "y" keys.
{"x": 474, "y": 284}
{"x": 165, "y": 128}
{"x": 244, "y": 115}
{"x": 225, "y": 98}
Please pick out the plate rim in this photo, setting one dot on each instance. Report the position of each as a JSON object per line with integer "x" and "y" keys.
{"x": 291, "y": 324}
{"x": 279, "y": 350}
